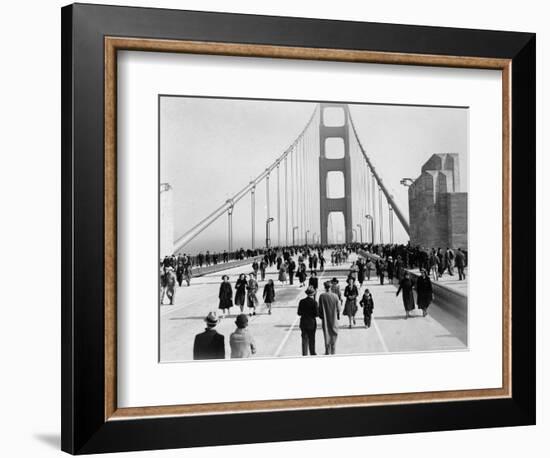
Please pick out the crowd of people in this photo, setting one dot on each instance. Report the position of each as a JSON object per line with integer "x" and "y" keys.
{"x": 329, "y": 305}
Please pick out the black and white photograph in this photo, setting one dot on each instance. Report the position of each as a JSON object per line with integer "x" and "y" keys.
{"x": 293, "y": 228}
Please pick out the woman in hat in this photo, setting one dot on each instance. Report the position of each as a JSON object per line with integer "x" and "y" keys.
{"x": 367, "y": 303}
{"x": 350, "y": 307}
{"x": 406, "y": 285}
{"x": 241, "y": 341}
{"x": 269, "y": 294}
{"x": 240, "y": 291}
{"x": 335, "y": 288}
{"x": 225, "y": 295}
{"x": 424, "y": 291}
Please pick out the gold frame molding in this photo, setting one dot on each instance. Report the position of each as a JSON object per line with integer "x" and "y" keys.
{"x": 114, "y": 44}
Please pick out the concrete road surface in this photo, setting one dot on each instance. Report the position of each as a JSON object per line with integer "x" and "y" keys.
{"x": 278, "y": 334}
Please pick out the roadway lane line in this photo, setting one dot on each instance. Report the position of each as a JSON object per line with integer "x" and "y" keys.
{"x": 285, "y": 338}
{"x": 382, "y": 341}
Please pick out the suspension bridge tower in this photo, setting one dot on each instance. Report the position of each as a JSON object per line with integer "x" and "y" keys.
{"x": 334, "y": 159}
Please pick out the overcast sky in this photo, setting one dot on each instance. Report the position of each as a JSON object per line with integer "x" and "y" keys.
{"x": 211, "y": 148}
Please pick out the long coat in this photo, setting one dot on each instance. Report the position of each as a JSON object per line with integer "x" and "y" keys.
{"x": 209, "y": 345}
{"x": 240, "y": 291}
{"x": 308, "y": 310}
{"x": 269, "y": 293}
{"x": 225, "y": 296}
{"x": 406, "y": 285}
{"x": 368, "y": 304}
{"x": 424, "y": 292}
{"x": 329, "y": 312}
{"x": 350, "y": 308}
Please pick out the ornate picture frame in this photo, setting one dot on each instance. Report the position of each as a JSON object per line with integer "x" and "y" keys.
{"x": 92, "y": 35}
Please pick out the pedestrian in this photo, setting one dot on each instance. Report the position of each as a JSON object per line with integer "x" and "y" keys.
{"x": 170, "y": 285}
{"x": 367, "y": 303}
{"x": 179, "y": 272}
{"x": 329, "y": 312}
{"x": 263, "y": 266}
{"x": 350, "y": 307}
{"x": 460, "y": 263}
{"x": 360, "y": 272}
{"x": 308, "y": 310}
{"x": 241, "y": 341}
{"x": 240, "y": 291}
{"x": 406, "y": 285}
{"x": 188, "y": 273}
{"x": 269, "y": 295}
{"x": 370, "y": 268}
{"x": 291, "y": 270}
{"x": 252, "y": 299}
{"x": 390, "y": 268}
{"x": 209, "y": 344}
{"x": 335, "y": 288}
{"x": 314, "y": 281}
{"x": 380, "y": 268}
{"x": 282, "y": 273}
{"x": 302, "y": 274}
{"x": 424, "y": 291}
{"x": 255, "y": 267}
{"x": 225, "y": 295}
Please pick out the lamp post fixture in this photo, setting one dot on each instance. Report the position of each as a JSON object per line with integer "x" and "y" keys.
{"x": 294, "y": 229}
{"x": 369, "y": 217}
{"x": 406, "y": 182}
{"x": 360, "y": 232}
{"x": 267, "y": 238}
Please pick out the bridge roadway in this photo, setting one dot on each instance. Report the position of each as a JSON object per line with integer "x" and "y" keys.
{"x": 278, "y": 335}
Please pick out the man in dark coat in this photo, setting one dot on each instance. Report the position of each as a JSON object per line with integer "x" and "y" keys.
{"x": 291, "y": 270}
{"x": 460, "y": 263}
{"x": 209, "y": 344}
{"x": 308, "y": 310}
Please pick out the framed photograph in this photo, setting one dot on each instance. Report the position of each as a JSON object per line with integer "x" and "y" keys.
{"x": 285, "y": 228}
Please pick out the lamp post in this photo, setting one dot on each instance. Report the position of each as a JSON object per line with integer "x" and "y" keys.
{"x": 360, "y": 232}
{"x": 354, "y": 233}
{"x": 307, "y": 232}
{"x": 369, "y": 217}
{"x": 267, "y": 239}
{"x": 294, "y": 229}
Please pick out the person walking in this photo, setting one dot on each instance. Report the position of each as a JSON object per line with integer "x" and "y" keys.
{"x": 282, "y": 273}
{"x": 209, "y": 344}
{"x": 460, "y": 263}
{"x": 367, "y": 303}
{"x": 240, "y": 291}
{"x": 350, "y": 307}
{"x": 170, "y": 285}
{"x": 308, "y": 310}
{"x": 225, "y": 295}
{"x": 361, "y": 272}
{"x": 424, "y": 292}
{"x": 314, "y": 281}
{"x": 269, "y": 295}
{"x": 263, "y": 267}
{"x": 329, "y": 312}
{"x": 252, "y": 299}
{"x": 335, "y": 288}
{"x": 406, "y": 285}
{"x": 380, "y": 268}
{"x": 241, "y": 342}
{"x": 302, "y": 274}
{"x": 291, "y": 270}
{"x": 390, "y": 268}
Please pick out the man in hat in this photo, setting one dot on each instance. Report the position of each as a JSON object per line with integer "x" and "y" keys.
{"x": 329, "y": 312}
{"x": 209, "y": 344}
{"x": 241, "y": 341}
{"x": 308, "y": 310}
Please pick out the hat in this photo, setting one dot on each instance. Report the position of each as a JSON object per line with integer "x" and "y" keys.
{"x": 334, "y": 280}
{"x": 310, "y": 291}
{"x": 211, "y": 319}
{"x": 241, "y": 321}
{"x": 225, "y": 276}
